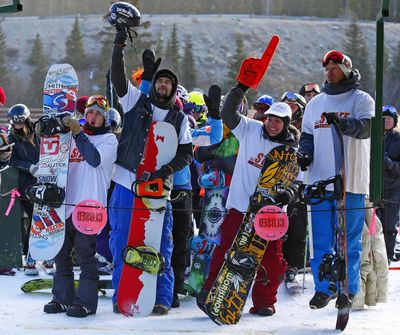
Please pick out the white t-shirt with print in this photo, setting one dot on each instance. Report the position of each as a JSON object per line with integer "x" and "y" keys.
{"x": 123, "y": 176}
{"x": 253, "y": 148}
{"x": 86, "y": 182}
{"x": 352, "y": 104}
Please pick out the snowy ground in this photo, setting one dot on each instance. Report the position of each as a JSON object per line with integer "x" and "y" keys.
{"x": 21, "y": 313}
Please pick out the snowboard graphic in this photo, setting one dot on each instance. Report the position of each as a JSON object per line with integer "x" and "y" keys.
{"x": 213, "y": 215}
{"x": 35, "y": 285}
{"x": 227, "y": 296}
{"x": 48, "y": 224}
{"x": 137, "y": 288}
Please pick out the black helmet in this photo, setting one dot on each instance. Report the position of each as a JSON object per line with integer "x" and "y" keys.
{"x": 123, "y": 14}
{"x": 114, "y": 118}
{"x": 18, "y": 114}
{"x": 390, "y": 111}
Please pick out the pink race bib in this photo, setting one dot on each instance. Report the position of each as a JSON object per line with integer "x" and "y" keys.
{"x": 271, "y": 223}
{"x": 89, "y": 217}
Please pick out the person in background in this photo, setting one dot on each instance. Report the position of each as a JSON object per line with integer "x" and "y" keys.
{"x": 309, "y": 91}
{"x": 24, "y": 157}
{"x": 390, "y": 212}
{"x": 261, "y": 106}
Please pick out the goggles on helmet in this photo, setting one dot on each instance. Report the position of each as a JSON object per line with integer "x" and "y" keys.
{"x": 191, "y": 107}
{"x": 98, "y": 100}
{"x": 311, "y": 87}
{"x": 16, "y": 119}
{"x": 289, "y": 96}
{"x": 389, "y": 108}
{"x": 260, "y": 106}
{"x": 336, "y": 57}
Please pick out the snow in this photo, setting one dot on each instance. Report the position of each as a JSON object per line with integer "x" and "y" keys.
{"x": 22, "y": 314}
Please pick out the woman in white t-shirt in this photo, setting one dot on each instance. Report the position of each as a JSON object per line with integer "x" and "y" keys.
{"x": 256, "y": 139}
{"x": 92, "y": 155}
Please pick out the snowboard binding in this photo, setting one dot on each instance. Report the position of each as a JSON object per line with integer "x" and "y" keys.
{"x": 50, "y": 125}
{"x": 201, "y": 245}
{"x": 260, "y": 199}
{"x": 144, "y": 258}
{"x": 332, "y": 268}
{"x": 316, "y": 193}
{"x": 46, "y": 194}
{"x": 242, "y": 263}
{"x": 155, "y": 188}
{"x": 212, "y": 179}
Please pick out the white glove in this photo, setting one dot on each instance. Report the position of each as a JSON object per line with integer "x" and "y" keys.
{"x": 34, "y": 169}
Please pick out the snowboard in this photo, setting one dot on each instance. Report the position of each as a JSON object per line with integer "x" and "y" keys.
{"x": 137, "y": 289}
{"x": 340, "y": 227}
{"x": 48, "y": 224}
{"x": 35, "y": 285}
{"x": 227, "y": 296}
{"x": 213, "y": 215}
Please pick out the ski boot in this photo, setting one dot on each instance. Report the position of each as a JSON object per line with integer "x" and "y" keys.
{"x": 144, "y": 258}
{"x": 201, "y": 245}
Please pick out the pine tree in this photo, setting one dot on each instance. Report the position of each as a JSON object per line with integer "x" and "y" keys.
{"x": 74, "y": 51}
{"x": 39, "y": 62}
{"x": 235, "y": 62}
{"x": 3, "y": 64}
{"x": 172, "y": 57}
{"x": 356, "y": 48}
{"x": 188, "y": 70}
{"x": 102, "y": 66}
{"x": 391, "y": 89}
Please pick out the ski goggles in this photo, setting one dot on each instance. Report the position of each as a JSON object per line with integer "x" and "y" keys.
{"x": 98, "y": 100}
{"x": 261, "y": 107}
{"x": 191, "y": 107}
{"x": 336, "y": 57}
{"x": 389, "y": 108}
{"x": 311, "y": 87}
{"x": 289, "y": 97}
{"x": 16, "y": 119}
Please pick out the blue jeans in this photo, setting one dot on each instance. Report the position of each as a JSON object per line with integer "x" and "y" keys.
{"x": 323, "y": 223}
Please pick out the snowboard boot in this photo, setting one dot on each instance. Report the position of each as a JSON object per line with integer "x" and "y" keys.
{"x": 30, "y": 269}
{"x": 116, "y": 309}
{"x": 54, "y": 307}
{"x": 201, "y": 300}
{"x": 263, "y": 311}
{"x": 320, "y": 300}
{"x": 160, "y": 310}
{"x": 343, "y": 302}
{"x": 78, "y": 311}
{"x": 144, "y": 258}
{"x": 290, "y": 274}
{"x": 175, "y": 301}
{"x": 49, "y": 267}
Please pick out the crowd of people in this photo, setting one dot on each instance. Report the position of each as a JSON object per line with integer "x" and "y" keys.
{"x": 110, "y": 146}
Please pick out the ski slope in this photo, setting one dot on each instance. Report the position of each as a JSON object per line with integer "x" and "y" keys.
{"x": 22, "y": 314}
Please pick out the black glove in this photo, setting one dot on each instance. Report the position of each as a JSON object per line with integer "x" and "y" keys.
{"x": 303, "y": 159}
{"x": 387, "y": 162}
{"x": 162, "y": 173}
{"x": 121, "y": 35}
{"x": 213, "y": 101}
{"x": 331, "y": 117}
{"x": 285, "y": 195}
{"x": 150, "y": 64}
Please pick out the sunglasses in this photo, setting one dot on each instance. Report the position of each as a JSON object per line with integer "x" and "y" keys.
{"x": 98, "y": 100}
{"x": 336, "y": 57}
{"x": 311, "y": 87}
